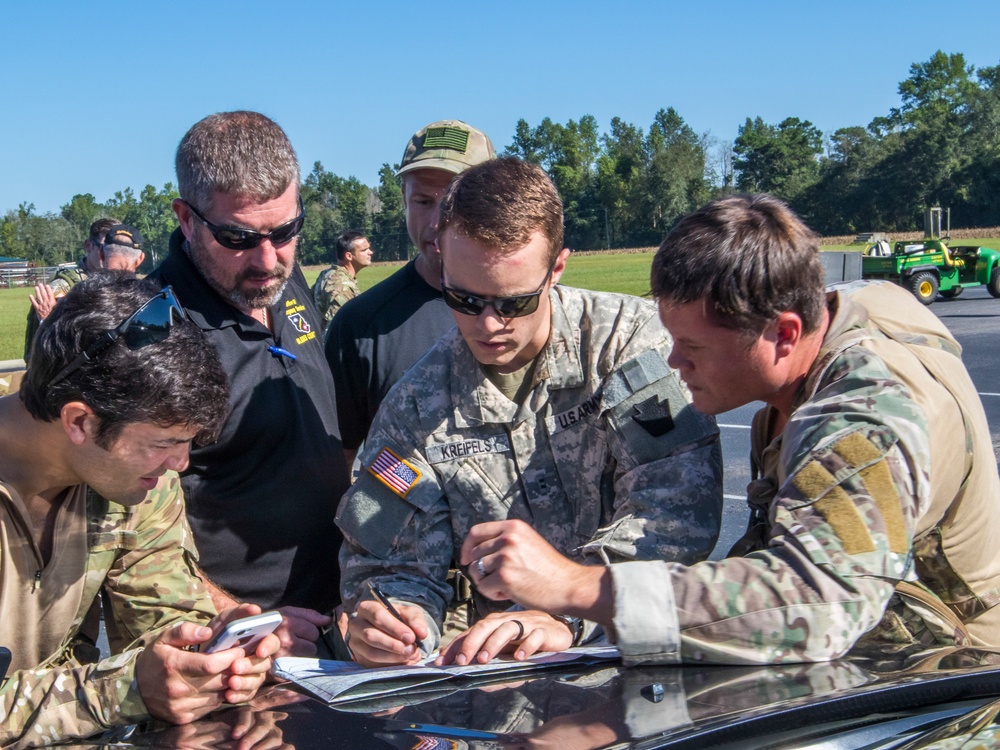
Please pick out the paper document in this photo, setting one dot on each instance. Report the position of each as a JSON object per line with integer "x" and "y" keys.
{"x": 338, "y": 681}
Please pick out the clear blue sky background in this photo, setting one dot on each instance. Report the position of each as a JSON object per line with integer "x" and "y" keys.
{"x": 99, "y": 94}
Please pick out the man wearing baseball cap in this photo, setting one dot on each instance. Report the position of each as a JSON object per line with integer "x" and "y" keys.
{"x": 125, "y": 254}
{"x": 122, "y": 248}
{"x": 376, "y": 336}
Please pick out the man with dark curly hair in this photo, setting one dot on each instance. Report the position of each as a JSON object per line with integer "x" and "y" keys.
{"x": 120, "y": 385}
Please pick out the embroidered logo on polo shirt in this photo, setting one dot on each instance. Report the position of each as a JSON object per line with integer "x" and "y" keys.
{"x": 394, "y": 472}
{"x": 293, "y": 311}
{"x": 300, "y": 323}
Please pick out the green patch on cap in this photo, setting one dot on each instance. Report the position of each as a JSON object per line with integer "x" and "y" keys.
{"x": 455, "y": 139}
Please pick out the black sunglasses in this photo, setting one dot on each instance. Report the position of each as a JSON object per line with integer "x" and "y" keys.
{"x": 506, "y": 307}
{"x": 149, "y": 324}
{"x": 234, "y": 238}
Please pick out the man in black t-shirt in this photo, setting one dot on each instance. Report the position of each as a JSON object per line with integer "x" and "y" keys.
{"x": 376, "y": 336}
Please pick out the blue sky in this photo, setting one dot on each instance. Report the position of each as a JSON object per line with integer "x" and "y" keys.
{"x": 99, "y": 94}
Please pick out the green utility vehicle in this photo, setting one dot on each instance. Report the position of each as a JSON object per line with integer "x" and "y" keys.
{"x": 929, "y": 267}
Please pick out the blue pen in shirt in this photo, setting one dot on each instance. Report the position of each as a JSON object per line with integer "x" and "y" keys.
{"x": 277, "y": 351}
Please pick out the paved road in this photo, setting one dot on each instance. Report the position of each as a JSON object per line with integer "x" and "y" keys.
{"x": 973, "y": 318}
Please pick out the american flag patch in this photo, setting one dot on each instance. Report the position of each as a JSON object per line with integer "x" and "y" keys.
{"x": 452, "y": 138}
{"x": 434, "y": 743}
{"x": 395, "y": 473}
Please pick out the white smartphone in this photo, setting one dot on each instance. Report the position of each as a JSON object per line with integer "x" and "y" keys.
{"x": 245, "y": 632}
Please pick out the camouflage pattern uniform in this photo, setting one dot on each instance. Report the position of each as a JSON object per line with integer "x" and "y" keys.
{"x": 856, "y": 533}
{"x": 605, "y": 458}
{"x": 64, "y": 280}
{"x": 332, "y": 289}
{"x": 142, "y": 559}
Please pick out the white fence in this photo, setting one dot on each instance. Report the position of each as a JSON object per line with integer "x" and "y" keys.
{"x": 20, "y": 274}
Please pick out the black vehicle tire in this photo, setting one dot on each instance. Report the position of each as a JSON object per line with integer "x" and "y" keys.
{"x": 924, "y": 286}
{"x": 994, "y": 285}
{"x": 951, "y": 293}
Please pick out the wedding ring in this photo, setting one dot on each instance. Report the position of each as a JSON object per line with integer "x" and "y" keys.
{"x": 481, "y": 568}
{"x": 520, "y": 630}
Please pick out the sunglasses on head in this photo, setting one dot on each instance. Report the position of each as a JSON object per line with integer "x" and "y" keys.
{"x": 149, "y": 324}
{"x": 515, "y": 306}
{"x": 234, "y": 238}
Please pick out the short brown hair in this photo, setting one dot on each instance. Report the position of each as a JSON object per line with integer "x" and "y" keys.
{"x": 100, "y": 228}
{"x": 750, "y": 256}
{"x": 239, "y": 153}
{"x": 501, "y": 203}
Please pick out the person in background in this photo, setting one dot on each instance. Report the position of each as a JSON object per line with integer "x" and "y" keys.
{"x": 95, "y": 258}
{"x": 337, "y": 284}
{"x": 375, "y": 338}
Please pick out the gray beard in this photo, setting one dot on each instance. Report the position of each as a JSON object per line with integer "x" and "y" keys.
{"x": 254, "y": 300}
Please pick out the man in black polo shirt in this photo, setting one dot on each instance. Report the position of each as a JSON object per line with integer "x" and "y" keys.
{"x": 376, "y": 336}
{"x": 261, "y": 500}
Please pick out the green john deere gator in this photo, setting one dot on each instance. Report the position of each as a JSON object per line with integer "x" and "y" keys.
{"x": 929, "y": 267}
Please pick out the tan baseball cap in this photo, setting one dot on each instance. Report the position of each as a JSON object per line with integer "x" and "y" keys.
{"x": 451, "y": 145}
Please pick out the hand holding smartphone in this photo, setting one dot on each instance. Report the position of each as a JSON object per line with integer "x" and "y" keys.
{"x": 246, "y": 633}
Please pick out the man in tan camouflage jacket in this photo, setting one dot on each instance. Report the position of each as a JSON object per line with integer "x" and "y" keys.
{"x": 90, "y": 505}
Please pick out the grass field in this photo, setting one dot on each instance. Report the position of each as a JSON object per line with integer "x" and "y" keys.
{"x": 622, "y": 272}
{"x": 13, "y": 320}
{"x": 614, "y": 272}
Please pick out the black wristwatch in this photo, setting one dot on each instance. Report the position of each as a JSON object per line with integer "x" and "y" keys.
{"x": 575, "y": 625}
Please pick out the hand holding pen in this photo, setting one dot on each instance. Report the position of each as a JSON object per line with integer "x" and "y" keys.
{"x": 387, "y": 603}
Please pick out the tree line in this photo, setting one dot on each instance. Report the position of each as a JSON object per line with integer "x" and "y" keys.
{"x": 626, "y": 187}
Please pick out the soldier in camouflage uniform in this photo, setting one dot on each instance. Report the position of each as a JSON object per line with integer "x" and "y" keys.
{"x": 90, "y": 504}
{"x": 337, "y": 284}
{"x": 548, "y": 404}
{"x": 876, "y": 499}
{"x": 110, "y": 246}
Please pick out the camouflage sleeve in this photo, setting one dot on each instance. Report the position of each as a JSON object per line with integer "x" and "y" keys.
{"x": 336, "y": 302}
{"x": 154, "y": 583}
{"x": 151, "y": 586}
{"x": 41, "y": 707}
{"x": 397, "y": 525}
{"x": 321, "y": 297}
{"x": 842, "y": 527}
{"x": 668, "y": 461}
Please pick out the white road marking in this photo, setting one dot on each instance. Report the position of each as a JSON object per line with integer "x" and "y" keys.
{"x": 747, "y": 427}
{"x": 734, "y": 497}
{"x": 981, "y": 394}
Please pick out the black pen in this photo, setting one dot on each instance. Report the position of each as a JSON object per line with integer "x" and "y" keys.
{"x": 377, "y": 593}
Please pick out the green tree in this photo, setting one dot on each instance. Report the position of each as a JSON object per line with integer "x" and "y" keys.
{"x": 620, "y": 178}
{"x": 935, "y": 119}
{"x": 779, "y": 159}
{"x": 568, "y": 154}
{"x": 675, "y": 175}
{"x": 81, "y": 212}
{"x": 45, "y": 240}
{"x": 333, "y": 205}
{"x": 389, "y": 236}
{"x": 154, "y": 216}
{"x": 981, "y": 176}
